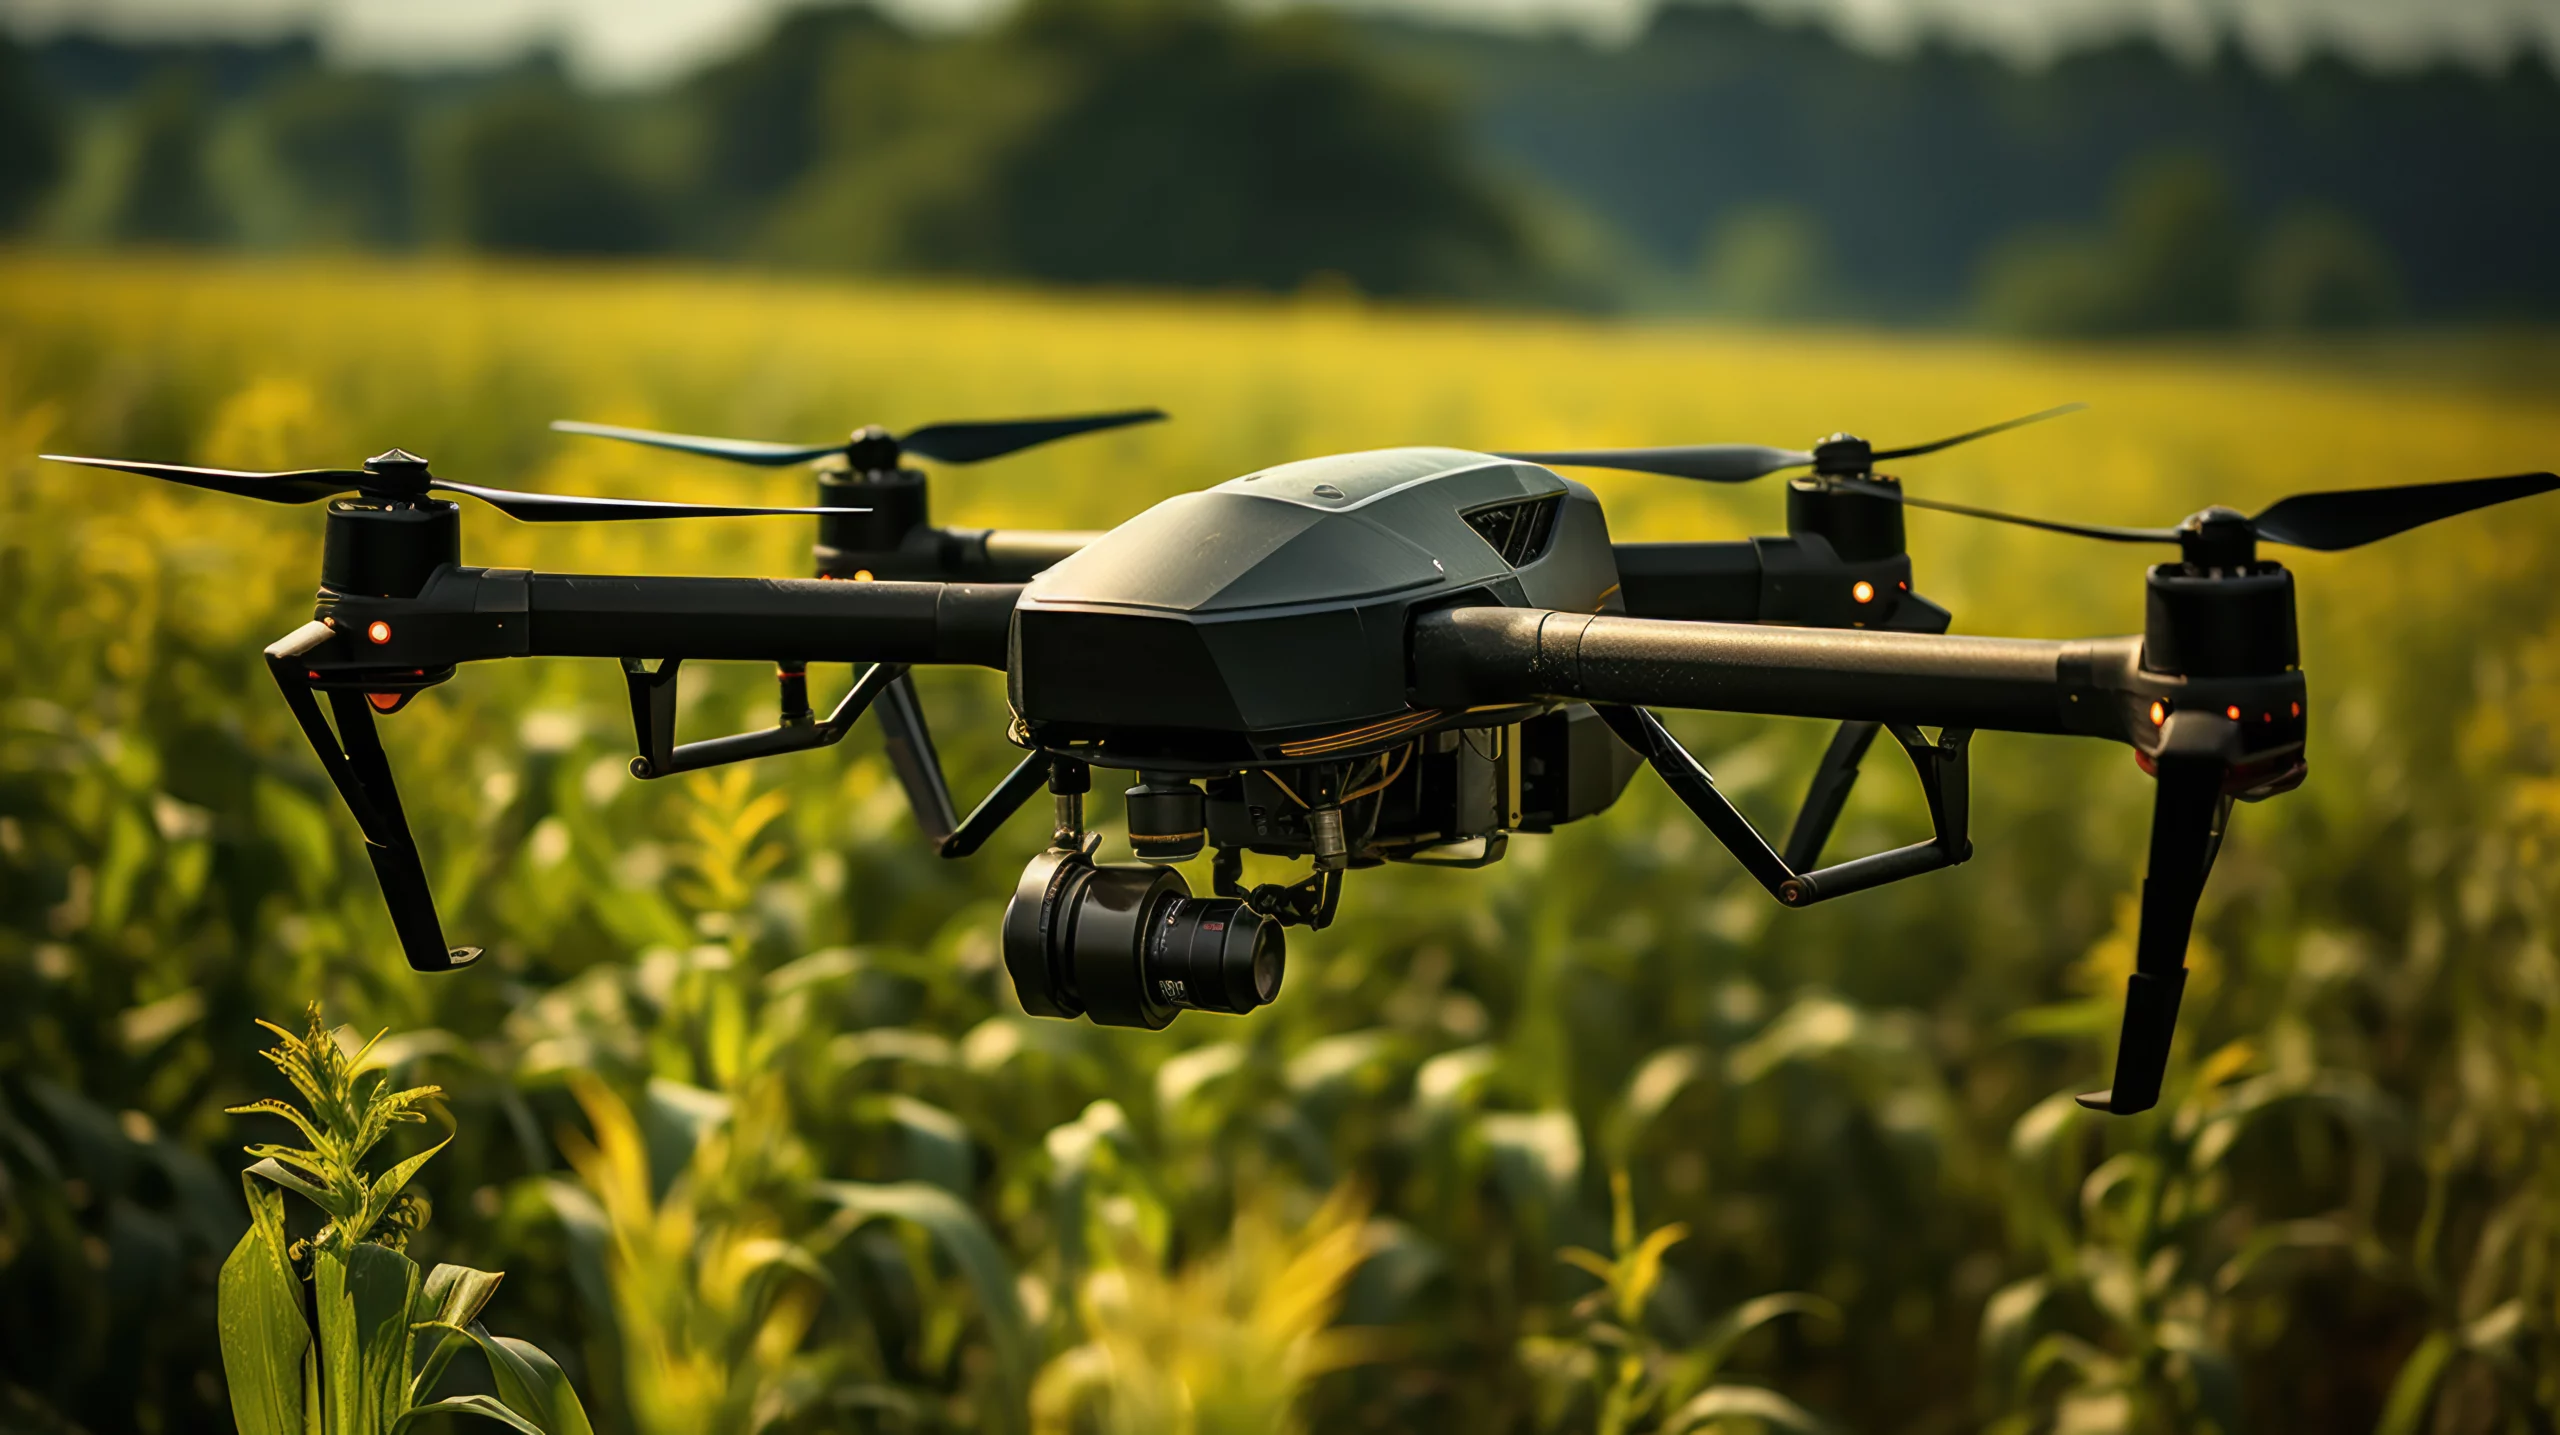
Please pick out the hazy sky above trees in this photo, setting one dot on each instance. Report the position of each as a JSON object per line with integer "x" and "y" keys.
{"x": 639, "y": 41}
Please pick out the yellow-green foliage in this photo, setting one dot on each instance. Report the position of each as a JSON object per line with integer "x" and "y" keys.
{"x": 850, "y": 1183}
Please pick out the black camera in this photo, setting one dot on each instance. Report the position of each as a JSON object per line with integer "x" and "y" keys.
{"x": 1128, "y": 945}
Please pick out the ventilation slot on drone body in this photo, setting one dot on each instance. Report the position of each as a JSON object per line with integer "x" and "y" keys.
{"x": 1518, "y": 530}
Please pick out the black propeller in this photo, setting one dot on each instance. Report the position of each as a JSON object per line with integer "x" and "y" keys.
{"x": 399, "y": 474}
{"x": 1839, "y": 456}
{"x": 2325, "y": 522}
{"x": 873, "y": 449}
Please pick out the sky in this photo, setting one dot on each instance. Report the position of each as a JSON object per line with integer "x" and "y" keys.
{"x": 639, "y": 42}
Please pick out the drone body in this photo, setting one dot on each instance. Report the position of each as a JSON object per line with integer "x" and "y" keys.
{"x": 1402, "y": 655}
{"x": 1266, "y": 619}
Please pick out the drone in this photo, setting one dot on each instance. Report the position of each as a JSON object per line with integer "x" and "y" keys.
{"x": 1405, "y": 655}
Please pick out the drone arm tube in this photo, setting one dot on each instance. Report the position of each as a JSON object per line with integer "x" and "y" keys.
{"x": 1016, "y": 555}
{"x": 1468, "y": 656}
{"x": 573, "y": 615}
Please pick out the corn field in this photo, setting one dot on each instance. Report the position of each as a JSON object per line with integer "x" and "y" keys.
{"x": 1599, "y": 1139}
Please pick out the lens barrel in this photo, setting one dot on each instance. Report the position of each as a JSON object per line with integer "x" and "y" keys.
{"x": 1214, "y": 954}
{"x": 1128, "y": 945}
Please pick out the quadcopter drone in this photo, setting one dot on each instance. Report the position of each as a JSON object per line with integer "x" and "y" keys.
{"x": 1397, "y": 656}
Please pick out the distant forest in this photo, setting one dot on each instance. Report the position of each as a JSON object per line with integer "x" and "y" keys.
{"x": 1721, "y": 163}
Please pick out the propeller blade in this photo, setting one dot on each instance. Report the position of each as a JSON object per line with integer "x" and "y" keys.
{"x": 566, "y": 508}
{"x": 2081, "y": 530}
{"x": 307, "y": 485}
{"x": 974, "y": 442}
{"x": 2350, "y": 518}
{"x": 1915, "y": 450}
{"x": 736, "y": 450}
{"x": 1708, "y": 463}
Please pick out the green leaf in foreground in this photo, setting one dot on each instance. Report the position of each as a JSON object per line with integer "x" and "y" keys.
{"x": 263, "y": 1332}
{"x": 480, "y": 1405}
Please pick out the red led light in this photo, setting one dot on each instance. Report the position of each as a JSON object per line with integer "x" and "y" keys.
{"x": 383, "y": 702}
{"x": 2297, "y": 709}
{"x": 378, "y": 630}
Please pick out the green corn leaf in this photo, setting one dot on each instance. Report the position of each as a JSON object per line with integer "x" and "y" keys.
{"x": 387, "y": 1187}
{"x": 2008, "y": 1318}
{"x": 451, "y": 1297}
{"x": 309, "y": 1163}
{"x": 2413, "y": 1390}
{"x": 1752, "y": 1314}
{"x": 1642, "y": 1271}
{"x": 533, "y": 1385}
{"x": 432, "y": 1366}
{"x": 480, "y": 1405}
{"x": 276, "y": 1171}
{"x": 530, "y": 1383}
{"x": 339, "y": 1378}
{"x": 364, "y": 1294}
{"x": 938, "y": 1146}
{"x": 264, "y": 1335}
{"x": 272, "y": 1107}
{"x": 383, "y": 1284}
{"x": 966, "y": 1240}
{"x": 1720, "y": 1406}
{"x": 315, "y": 1401}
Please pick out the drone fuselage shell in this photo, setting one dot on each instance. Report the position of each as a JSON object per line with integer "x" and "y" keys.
{"x": 1251, "y": 622}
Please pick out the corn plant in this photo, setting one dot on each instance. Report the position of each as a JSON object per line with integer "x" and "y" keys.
{"x": 1227, "y": 1345}
{"x": 362, "y": 1374}
{"x": 1637, "y": 1380}
{"x": 735, "y": 1286}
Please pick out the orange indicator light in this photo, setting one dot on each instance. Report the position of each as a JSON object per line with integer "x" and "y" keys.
{"x": 2297, "y": 709}
{"x": 2159, "y": 712}
{"x": 378, "y": 630}
{"x": 2232, "y": 712}
{"x": 861, "y": 575}
{"x": 1863, "y": 591}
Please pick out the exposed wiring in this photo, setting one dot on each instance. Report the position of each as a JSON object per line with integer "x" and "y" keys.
{"x": 1285, "y": 789}
{"x": 1404, "y": 759}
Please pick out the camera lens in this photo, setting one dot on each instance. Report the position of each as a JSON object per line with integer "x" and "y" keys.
{"x": 1128, "y": 945}
{"x": 1215, "y": 954}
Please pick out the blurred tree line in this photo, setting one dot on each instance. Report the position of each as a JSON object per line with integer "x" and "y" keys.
{"x": 1096, "y": 141}
{"x": 1723, "y": 163}
{"x": 1759, "y": 167}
